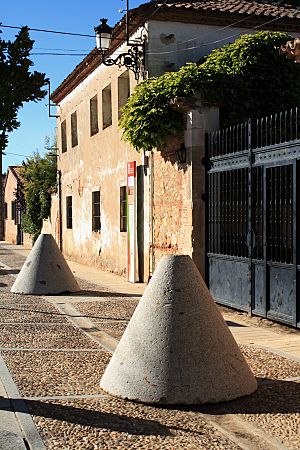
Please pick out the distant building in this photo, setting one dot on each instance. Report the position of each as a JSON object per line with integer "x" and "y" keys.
{"x": 12, "y": 213}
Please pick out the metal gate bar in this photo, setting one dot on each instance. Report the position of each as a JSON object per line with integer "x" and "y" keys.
{"x": 252, "y": 255}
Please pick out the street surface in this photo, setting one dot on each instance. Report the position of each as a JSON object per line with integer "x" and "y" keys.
{"x": 54, "y": 350}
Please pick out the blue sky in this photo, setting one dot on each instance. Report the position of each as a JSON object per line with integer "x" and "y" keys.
{"x": 67, "y": 15}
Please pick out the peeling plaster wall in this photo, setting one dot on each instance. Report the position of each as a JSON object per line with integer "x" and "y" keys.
{"x": 169, "y": 43}
{"x": 98, "y": 162}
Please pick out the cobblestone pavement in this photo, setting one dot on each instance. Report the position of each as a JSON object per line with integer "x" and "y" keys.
{"x": 57, "y": 367}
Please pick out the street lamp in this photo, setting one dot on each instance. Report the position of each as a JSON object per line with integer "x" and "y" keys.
{"x": 133, "y": 59}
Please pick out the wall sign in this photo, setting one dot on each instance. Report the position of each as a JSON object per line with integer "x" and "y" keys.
{"x": 132, "y": 271}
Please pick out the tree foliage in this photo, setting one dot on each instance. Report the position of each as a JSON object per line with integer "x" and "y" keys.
{"x": 246, "y": 78}
{"x": 18, "y": 84}
{"x": 38, "y": 184}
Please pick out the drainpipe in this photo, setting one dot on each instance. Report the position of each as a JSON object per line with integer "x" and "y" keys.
{"x": 59, "y": 210}
{"x": 151, "y": 218}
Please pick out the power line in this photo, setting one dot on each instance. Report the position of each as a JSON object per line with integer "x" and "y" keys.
{"x": 227, "y": 26}
{"x": 62, "y": 49}
{"x": 213, "y": 42}
{"x": 48, "y": 31}
{"x": 58, "y": 54}
{"x": 15, "y": 154}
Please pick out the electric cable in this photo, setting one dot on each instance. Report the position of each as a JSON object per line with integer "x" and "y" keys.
{"x": 227, "y": 26}
{"x": 213, "y": 42}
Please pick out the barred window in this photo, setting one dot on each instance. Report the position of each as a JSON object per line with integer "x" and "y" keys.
{"x": 13, "y": 211}
{"x": 123, "y": 209}
{"x": 69, "y": 212}
{"x": 96, "y": 218}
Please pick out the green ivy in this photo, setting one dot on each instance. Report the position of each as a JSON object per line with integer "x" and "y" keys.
{"x": 38, "y": 183}
{"x": 247, "y": 78}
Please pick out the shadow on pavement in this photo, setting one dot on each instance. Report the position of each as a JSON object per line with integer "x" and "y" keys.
{"x": 271, "y": 397}
{"x": 234, "y": 324}
{"x": 89, "y": 293}
{"x": 49, "y": 313}
{"x": 91, "y": 418}
{"x": 9, "y": 271}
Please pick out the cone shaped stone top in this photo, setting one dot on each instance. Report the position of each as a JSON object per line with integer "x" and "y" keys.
{"x": 45, "y": 271}
{"x": 177, "y": 348}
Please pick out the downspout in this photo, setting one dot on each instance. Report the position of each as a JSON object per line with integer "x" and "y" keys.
{"x": 60, "y": 242}
{"x": 151, "y": 217}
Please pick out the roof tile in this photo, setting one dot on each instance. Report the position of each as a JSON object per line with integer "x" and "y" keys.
{"x": 263, "y": 7}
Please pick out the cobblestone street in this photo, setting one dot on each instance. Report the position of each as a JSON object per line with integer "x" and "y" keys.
{"x": 56, "y": 349}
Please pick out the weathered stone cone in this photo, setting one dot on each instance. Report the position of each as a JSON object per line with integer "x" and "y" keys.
{"x": 45, "y": 271}
{"x": 177, "y": 348}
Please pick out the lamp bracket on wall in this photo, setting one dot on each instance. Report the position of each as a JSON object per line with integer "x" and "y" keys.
{"x": 133, "y": 59}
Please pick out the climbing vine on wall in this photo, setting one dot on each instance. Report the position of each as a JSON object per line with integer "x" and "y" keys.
{"x": 246, "y": 78}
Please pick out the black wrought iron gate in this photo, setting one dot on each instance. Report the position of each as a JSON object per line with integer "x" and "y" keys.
{"x": 252, "y": 217}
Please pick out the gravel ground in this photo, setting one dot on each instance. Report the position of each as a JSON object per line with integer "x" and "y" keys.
{"x": 47, "y": 373}
{"x": 275, "y": 408}
{"x": 116, "y": 424}
{"x": 256, "y": 321}
{"x": 17, "y": 313}
{"x": 48, "y": 336}
{"x": 265, "y": 364}
{"x": 113, "y": 327}
{"x": 111, "y": 309}
{"x": 14, "y": 260}
{"x": 109, "y": 423}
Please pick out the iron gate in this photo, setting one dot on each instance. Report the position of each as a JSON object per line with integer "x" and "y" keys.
{"x": 252, "y": 216}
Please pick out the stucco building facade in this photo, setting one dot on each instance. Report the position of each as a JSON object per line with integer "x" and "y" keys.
{"x": 12, "y": 214}
{"x": 90, "y": 214}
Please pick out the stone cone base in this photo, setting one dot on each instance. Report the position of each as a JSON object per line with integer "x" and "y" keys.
{"x": 45, "y": 271}
{"x": 177, "y": 348}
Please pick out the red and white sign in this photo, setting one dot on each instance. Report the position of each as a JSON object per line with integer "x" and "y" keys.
{"x": 131, "y": 223}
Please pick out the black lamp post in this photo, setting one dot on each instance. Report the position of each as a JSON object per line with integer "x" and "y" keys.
{"x": 133, "y": 59}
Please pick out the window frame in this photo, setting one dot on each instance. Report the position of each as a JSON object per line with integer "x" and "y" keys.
{"x": 106, "y": 107}
{"x": 69, "y": 212}
{"x": 74, "y": 130}
{"x": 94, "y": 115}
{"x": 123, "y": 209}
{"x": 63, "y": 133}
{"x": 96, "y": 217}
{"x": 123, "y": 85}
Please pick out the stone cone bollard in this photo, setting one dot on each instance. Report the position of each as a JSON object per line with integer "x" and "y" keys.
{"x": 177, "y": 348}
{"x": 45, "y": 271}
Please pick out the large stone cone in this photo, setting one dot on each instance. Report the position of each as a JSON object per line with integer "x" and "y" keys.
{"x": 45, "y": 271}
{"x": 177, "y": 348}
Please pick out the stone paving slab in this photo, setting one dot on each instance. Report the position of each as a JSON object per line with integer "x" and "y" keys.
{"x": 45, "y": 335}
{"x": 46, "y": 373}
{"x": 102, "y": 422}
{"x": 113, "y": 424}
{"x": 121, "y": 309}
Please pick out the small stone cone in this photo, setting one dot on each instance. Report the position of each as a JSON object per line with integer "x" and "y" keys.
{"x": 177, "y": 348}
{"x": 45, "y": 271}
